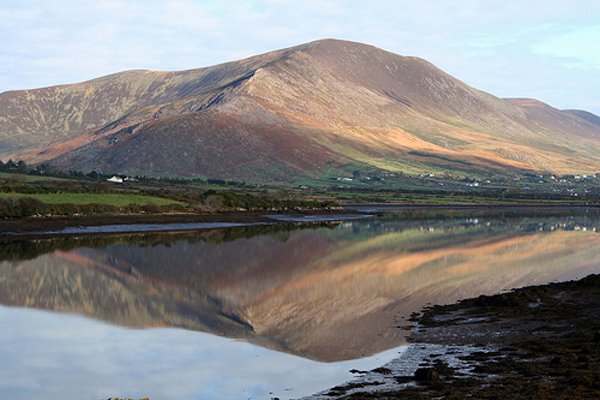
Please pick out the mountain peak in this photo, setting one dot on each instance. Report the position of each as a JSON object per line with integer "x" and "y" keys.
{"x": 334, "y": 42}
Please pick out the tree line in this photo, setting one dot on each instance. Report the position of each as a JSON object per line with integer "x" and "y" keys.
{"x": 20, "y": 166}
{"x": 16, "y": 166}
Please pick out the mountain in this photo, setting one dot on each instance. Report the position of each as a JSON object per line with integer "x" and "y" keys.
{"x": 315, "y": 110}
{"x": 586, "y": 115}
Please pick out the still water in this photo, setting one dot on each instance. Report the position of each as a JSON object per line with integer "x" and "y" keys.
{"x": 284, "y": 310}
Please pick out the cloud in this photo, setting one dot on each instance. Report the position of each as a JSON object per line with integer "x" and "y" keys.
{"x": 579, "y": 47}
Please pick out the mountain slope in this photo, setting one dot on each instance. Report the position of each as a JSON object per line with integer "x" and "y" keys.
{"x": 588, "y": 116}
{"x": 45, "y": 115}
{"x": 319, "y": 108}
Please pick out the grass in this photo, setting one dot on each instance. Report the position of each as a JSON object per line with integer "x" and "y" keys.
{"x": 118, "y": 200}
{"x": 28, "y": 178}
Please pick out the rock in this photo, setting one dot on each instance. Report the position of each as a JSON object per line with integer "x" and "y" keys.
{"x": 427, "y": 374}
{"x": 584, "y": 358}
{"x": 382, "y": 370}
{"x": 357, "y": 371}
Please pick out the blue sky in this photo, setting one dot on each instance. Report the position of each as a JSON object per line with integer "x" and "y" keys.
{"x": 544, "y": 49}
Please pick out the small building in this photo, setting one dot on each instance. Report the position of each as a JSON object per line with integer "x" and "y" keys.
{"x": 115, "y": 179}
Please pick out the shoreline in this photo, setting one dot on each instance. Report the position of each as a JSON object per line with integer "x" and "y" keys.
{"x": 534, "y": 342}
{"x": 474, "y": 207}
{"x": 125, "y": 224}
{"x": 43, "y": 226}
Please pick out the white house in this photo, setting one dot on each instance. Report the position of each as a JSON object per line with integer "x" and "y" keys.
{"x": 115, "y": 179}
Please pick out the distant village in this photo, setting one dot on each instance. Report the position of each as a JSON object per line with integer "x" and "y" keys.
{"x": 574, "y": 185}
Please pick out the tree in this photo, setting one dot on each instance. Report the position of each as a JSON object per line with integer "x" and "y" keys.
{"x": 21, "y": 166}
{"x": 93, "y": 175}
{"x": 10, "y": 165}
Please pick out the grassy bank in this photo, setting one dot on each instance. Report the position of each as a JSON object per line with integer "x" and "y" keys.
{"x": 111, "y": 199}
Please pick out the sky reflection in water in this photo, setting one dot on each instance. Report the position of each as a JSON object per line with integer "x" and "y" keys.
{"x": 62, "y": 356}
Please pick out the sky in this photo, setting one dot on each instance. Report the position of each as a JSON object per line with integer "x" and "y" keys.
{"x": 545, "y": 49}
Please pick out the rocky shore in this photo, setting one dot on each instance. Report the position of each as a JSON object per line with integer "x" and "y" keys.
{"x": 539, "y": 342}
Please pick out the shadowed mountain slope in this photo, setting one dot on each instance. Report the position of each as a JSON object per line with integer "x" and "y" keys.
{"x": 307, "y": 111}
{"x": 586, "y": 115}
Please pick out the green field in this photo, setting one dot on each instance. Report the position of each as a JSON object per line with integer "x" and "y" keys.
{"x": 28, "y": 178}
{"x": 118, "y": 200}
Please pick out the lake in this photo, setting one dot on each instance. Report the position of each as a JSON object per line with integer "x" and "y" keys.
{"x": 262, "y": 311}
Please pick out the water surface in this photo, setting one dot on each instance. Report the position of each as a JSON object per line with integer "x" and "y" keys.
{"x": 252, "y": 311}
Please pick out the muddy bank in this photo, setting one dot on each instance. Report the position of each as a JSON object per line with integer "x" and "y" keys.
{"x": 63, "y": 225}
{"x": 55, "y": 223}
{"x": 540, "y": 342}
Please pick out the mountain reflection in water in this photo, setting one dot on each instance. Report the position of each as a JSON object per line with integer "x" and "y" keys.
{"x": 328, "y": 292}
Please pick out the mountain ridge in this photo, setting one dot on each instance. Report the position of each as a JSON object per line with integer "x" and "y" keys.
{"x": 586, "y": 115}
{"x": 324, "y": 107}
